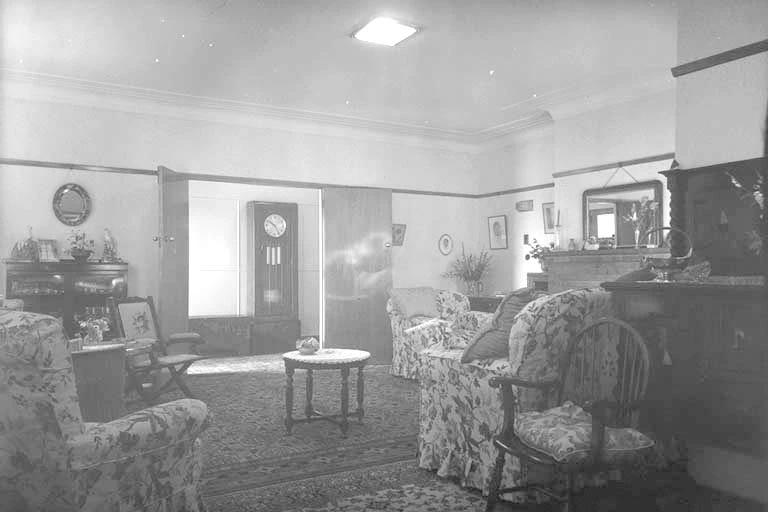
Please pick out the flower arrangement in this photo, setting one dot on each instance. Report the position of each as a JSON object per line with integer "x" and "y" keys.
{"x": 80, "y": 246}
{"x": 642, "y": 215}
{"x": 93, "y": 329}
{"x": 753, "y": 194}
{"x": 536, "y": 251}
{"x": 470, "y": 268}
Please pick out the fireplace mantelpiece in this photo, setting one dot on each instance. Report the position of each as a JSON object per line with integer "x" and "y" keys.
{"x": 582, "y": 269}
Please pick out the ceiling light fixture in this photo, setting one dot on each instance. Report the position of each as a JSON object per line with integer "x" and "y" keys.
{"x": 384, "y": 31}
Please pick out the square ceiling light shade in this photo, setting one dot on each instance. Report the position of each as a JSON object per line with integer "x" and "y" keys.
{"x": 384, "y": 31}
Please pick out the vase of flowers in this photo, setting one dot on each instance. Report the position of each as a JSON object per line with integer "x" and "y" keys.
{"x": 642, "y": 217}
{"x": 537, "y": 252}
{"x": 470, "y": 269}
{"x": 80, "y": 246}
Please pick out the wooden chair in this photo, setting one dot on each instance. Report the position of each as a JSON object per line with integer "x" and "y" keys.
{"x": 147, "y": 353}
{"x": 601, "y": 385}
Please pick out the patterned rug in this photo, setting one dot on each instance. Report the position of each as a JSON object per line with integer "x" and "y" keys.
{"x": 252, "y": 465}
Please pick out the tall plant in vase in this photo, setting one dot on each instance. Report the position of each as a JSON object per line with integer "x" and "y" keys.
{"x": 470, "y": 269}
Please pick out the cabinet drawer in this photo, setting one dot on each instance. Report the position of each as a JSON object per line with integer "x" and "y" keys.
{"x": 742, "y": 343}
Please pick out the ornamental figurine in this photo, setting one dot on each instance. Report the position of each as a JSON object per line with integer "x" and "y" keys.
{"x": 110, "y": 247}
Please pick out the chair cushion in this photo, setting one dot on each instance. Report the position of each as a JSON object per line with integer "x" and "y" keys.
{"x": 492, "y": 341}
{"x": 415, "y": 301}
{"x": 564, "y": 433}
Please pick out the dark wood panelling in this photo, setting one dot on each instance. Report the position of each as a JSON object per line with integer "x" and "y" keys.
{"x": 720, "y": 58}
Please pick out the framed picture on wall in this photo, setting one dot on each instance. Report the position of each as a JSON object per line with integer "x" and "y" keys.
{"x": 398, "y": 234}
{"x": 497, "y": 231}
{"x": 548, "y": 210}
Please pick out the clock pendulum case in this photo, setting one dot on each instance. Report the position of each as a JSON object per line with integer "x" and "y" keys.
{"x": 273, "y": 291}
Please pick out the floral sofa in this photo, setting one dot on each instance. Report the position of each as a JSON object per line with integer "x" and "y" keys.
{"x": 460, "y": 412}
{"x": 412, "y": 313}
{"x": 50, "y": 460}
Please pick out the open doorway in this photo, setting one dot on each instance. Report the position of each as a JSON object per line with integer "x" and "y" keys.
{"x": 220, "y": 274}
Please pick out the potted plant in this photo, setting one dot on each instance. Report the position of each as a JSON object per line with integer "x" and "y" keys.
{"x": 470, "y": 269}
{"x": 80, "y": 247}
{"x": 537, "y": 252}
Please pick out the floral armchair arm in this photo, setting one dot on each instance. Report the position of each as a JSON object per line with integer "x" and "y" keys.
{"x": 399, "y": 322}
{"x": 472, "y": 320}
{"x": 141, "y": 432}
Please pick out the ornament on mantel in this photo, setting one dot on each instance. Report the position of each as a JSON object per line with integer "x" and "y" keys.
{"x": 110, "y": 248}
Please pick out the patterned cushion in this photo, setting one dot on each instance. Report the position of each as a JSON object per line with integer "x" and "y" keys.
{"x": 565, "y": 432}
{"x": 415, "y": 301}
{"x": 492, "y": 341}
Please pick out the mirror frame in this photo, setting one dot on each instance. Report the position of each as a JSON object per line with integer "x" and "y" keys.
{"x": 84, "y": 213}
{"x": 658, "y": 190}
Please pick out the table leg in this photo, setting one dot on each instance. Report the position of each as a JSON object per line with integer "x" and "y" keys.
{"x": 308, "y": 409}
{"x": 360, "y": 391}
{"x": 288, "y": 398}
{"x": 344, "y": 400}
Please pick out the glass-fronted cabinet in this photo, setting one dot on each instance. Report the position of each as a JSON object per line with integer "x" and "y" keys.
{"x": 67, "y": 290}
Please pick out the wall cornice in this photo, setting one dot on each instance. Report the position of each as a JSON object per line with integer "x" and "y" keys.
{"x": 57, "y": 89}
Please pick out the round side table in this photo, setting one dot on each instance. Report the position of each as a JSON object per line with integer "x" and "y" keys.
{"x": 326, "y": 359}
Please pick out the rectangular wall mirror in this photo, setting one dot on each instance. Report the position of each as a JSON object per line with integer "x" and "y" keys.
{"x": 608, "y": 213}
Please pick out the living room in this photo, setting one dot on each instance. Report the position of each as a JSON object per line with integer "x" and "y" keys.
{"x": 450, "y": 155}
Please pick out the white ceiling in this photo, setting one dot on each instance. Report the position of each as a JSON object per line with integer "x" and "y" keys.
{"x": 298, "y": 54}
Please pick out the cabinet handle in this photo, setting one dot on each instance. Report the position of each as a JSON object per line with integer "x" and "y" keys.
{"x": 738, "y": 339}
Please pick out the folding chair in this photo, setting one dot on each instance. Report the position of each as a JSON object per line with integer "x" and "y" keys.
{"x": 146, "y": 351}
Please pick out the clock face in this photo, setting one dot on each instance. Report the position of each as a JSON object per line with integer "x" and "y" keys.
{"x": 274, "y": 225}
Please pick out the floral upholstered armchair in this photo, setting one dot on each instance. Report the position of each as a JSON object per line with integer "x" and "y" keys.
{"x": 422, "y": 317}
{"x": 461, "y": 412}
{"x": 50, "y": 460}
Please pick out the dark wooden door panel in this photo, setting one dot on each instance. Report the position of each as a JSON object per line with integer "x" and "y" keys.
{"x": 173, "y": 294}
{"x": 357, "y": 269}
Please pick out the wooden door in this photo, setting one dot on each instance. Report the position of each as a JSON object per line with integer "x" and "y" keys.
{"x": 173, "y": 241}
{"x": 357, "y": 227}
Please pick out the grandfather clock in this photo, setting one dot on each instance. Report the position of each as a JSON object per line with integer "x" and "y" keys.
{"x": 273, "y": 290}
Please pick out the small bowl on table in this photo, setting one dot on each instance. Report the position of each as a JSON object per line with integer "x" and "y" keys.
{"x": 307, "y": 346}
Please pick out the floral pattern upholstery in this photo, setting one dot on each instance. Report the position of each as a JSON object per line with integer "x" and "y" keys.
{"x": 565, "y": 433}
{"x": 51, "y": 460}
{"x": 453, "y": 307}
{"x": 461, "y": 413}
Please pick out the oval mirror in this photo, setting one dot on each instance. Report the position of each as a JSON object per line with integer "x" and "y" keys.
{"x": 71, "y": 204}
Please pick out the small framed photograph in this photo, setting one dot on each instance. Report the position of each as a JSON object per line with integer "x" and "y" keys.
{"x": 548, "y": 211}
{"x": 47, "y": 250}
{"x": 524, "y": 206}
{"x": 445, "y": 244}
{"x": 497, "y": 231}
{"x": 398, "y": 234}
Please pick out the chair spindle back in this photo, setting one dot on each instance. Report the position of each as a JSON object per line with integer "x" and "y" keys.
{"x": 607, "y": 360}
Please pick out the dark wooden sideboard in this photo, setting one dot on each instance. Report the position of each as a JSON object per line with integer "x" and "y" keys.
{"x": 65, "y": 289}
{"x": 710, "y": 345}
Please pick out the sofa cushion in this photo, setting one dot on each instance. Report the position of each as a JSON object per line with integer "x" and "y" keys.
{"x": 492, "y": 341}
{"x": 565, "y": 432}
{"x": 415, "y": 301}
